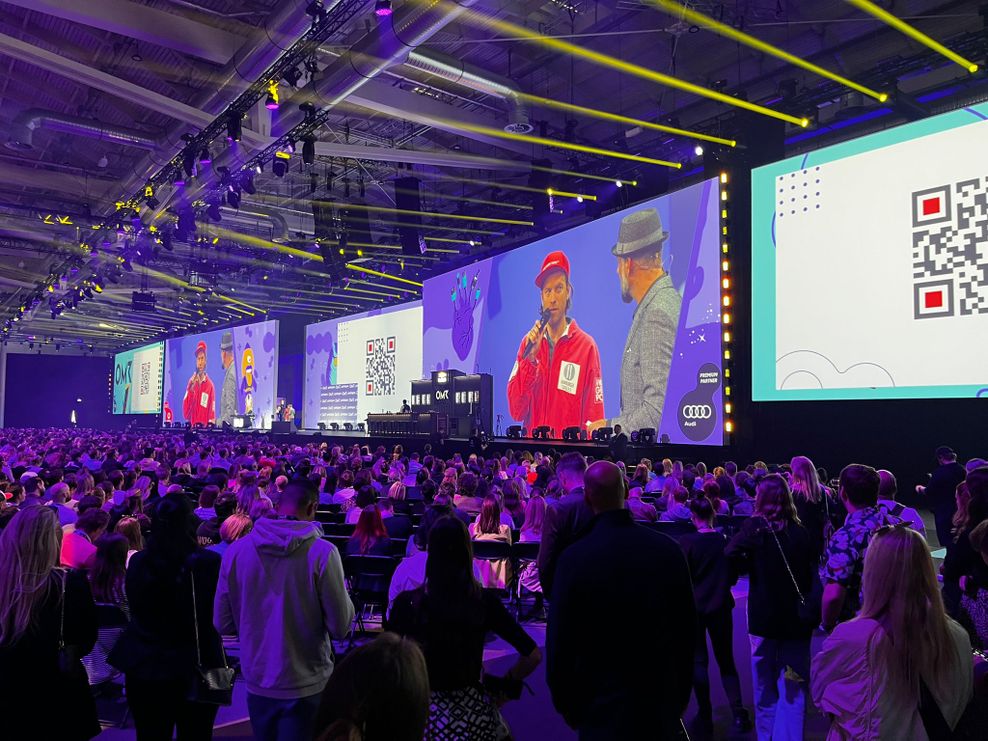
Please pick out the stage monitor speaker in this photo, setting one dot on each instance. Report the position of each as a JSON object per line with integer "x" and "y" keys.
{"x": 646, "y": 436}
{"x": 281, "y": 426}
{"x": 408, "y": 197}
{"x": 571, "y": 434}
{"x": 541, "y": 433}
{"x": 513, "y": 432}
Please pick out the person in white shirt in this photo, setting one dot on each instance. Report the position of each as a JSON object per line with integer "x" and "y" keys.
{"x": 887, "y": 490}
{"x": 871, "y": 673}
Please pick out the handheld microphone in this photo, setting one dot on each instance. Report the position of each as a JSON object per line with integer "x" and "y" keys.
{"x": 543, "y": 320}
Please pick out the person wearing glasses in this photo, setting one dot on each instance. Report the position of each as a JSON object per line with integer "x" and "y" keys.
{"x": 901, "y": 668}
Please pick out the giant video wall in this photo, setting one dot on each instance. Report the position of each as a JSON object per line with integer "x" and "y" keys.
{"x": 870, "y": 266}
{"x": 616, "y": 321}
{"x": 213, "y": 377}
{"x": 361, "y": 364}
{"x": 137, "y": 380}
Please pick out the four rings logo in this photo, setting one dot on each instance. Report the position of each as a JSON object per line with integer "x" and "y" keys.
{"x": 698, "y": 411}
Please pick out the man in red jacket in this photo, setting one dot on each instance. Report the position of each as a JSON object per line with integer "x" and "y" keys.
{"x": 199, "y": 404}
{"x": 556, "y": 380}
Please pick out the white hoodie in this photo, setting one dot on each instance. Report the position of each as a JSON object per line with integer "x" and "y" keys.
{"x": 281, "y": 590}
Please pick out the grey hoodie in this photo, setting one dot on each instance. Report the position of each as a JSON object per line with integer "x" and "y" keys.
{"x": 281, "y": 590}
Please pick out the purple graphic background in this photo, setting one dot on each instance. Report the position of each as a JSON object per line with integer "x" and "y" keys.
{"x": 180, "y": 364}
{"x": 509, "y": 305}
{"x": 319, "y": 355}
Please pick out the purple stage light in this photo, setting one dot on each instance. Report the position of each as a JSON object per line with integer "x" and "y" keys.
{"x": 382, "y": 8}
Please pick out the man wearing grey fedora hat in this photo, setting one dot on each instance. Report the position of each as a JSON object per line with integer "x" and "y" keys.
{"x": 652, "y": 336}
{"x": 228, "y": 394}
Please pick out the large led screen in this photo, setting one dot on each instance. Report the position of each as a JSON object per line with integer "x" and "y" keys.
{"x": 632, "y": 323}
{"x": 222, "y": 375}
{"x": 361, "y": 364}
{"x": 870, "y": 266}
{"x": 137, "y": 380}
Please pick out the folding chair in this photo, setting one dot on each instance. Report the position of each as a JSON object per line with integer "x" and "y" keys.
{"x": 368, "y": 580}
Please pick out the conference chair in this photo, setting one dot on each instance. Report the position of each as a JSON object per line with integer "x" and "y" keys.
{"x": 368, "y": 579}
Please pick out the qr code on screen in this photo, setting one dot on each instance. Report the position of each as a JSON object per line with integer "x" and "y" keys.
{"x": 380, "y": 371}
{"x": 950, "y": 249}
{"x": 145, "y": 384}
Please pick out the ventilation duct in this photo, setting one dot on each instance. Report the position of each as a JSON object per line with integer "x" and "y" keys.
{"x": 456, "y": 71}
{"x": 21, "y": 135}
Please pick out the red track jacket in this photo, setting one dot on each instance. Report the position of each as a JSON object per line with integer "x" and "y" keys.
{"x": 565, "y": 392}
{"x": 199, "y": 404}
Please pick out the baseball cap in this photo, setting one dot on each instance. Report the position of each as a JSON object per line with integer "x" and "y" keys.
{"x": 945, "y": 451}
{"x": 27, "y": 476}
{"x": 553, "y": 261}
{"x": 201, "y": 347}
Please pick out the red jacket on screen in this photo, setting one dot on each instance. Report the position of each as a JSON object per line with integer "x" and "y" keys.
{"x": 199, "y": 404}
{"x": 564, "y": 391}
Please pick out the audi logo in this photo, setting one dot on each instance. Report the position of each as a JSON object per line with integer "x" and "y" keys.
{"x": 697, "y": 411}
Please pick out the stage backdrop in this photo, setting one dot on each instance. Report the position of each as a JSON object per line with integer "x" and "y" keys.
{"x": 869, "y": 263}
{"x": 361, "y": 364}
{"x": 476, "y": 318}
{"x": 252, "y": 386}
{"x": 137, "y": 380}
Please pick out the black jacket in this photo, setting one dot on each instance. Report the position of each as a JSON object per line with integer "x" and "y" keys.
{"x": 608, "y": 679}
{"x": 942, "y": 487}
{"x": 564, "y": 522}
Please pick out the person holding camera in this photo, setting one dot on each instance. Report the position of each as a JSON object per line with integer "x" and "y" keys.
{"x": 449, "y": 617}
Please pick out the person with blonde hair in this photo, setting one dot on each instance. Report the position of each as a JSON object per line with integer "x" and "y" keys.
{"x": 813, "y": 505}
{"x": 901, "y": 668}
{"x": 42, "y": 606}
{"x": 233, "y": 529}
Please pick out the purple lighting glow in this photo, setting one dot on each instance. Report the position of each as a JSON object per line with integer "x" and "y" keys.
{"x": 382, "y": 8}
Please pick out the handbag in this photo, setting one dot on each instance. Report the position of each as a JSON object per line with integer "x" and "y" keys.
{"x": 210, "y": 686}
{"x": 809, "y": 609}
{"x": 69, "y": 658}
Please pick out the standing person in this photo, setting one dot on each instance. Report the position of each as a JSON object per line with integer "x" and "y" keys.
{"x": 449, "y": 617}
{"x": 651, "y": 338}
{"x": 713, "y": 578}
{"x": 843, "y": 561}
{"x": 556, "y": 380}
{"x": 228, "y": 394}
{"x": 284, "y": 583}
{"x": 812, "y": 503}
{"x": 634, "y": 689}
{"x": 199, "y": 402}
{"x": 777, "y": 553}
{"x": 34, "y": 596}
{"x": 617, "y": 446}
{"x": 940, "y": 490}
{"x": 157, "y": 651}
{"x": 901, "y": 655}
{"x": 887, "y": 489}
{"x": 565, "y": 518}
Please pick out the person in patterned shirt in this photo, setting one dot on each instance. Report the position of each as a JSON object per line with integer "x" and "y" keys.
{"x": 843, "y": 561}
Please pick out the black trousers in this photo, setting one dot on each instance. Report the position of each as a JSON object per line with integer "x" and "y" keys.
{"x": 160, "y": 708}
{"x": 720, "y": 626}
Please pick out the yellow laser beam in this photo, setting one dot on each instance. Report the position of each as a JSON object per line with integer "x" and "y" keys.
{"x": 913, "y": 33}
{"x": 605, "y": 60}
{"x": 378, "y": 273}
{"x": 722, "y": 29}
{"x": 618, "y": 118}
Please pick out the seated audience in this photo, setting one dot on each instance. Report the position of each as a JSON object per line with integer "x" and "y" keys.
{"x": 531, "y": 528}
{"x": 78, "y": 547}
{"x": 489, "y": 526}
{"x": 132, "y": 529}
{"x": 207, "y": 498}
{"x": 366, "y": 497}
{"x": 449, "y": 617}
{"x": 901, "y": 662}
{"x": 410, "y": 573}
{"x": 678, "y": 510}
{"x": 233, "y": 529}
{"x": 106, "y": 579}
{"x": 641, "y": 511}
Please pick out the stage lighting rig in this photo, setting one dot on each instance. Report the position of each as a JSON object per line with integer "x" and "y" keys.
{"x": 571, "y": 434}
{"x": 541, "y": 433}
{"x": 382, "y": 8}
{"x": 234, "y": 126}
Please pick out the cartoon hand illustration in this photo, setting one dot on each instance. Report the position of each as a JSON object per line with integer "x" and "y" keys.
{"x": 465, "y": 297}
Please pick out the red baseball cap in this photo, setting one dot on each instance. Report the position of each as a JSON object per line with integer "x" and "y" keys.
{"x": 553, "y": 261}
{"x": 201, "y": 347}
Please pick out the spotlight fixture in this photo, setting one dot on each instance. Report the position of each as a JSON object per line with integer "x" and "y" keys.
{"x": 619, "y": 184}
{"x": 234, "y": 127}
{"x": 382, "y": 8}
{"x": 247, "y": 183}
{"x": 292, "y": 76}
{"x": 308, "y": 150}
{"x": 315, "y": 11}
{"x": 579, "y": 199}
{"x": 541, "y": 432}
{"x": 272, "y": 101}
{"x": 233, "y": 197}
{"x": 259, "y": 168}
{"x": 279, "y": 167}
{"x": 213, "y": 212}
{"x": 204, "y": 156}
{"x": 698, "y": 150}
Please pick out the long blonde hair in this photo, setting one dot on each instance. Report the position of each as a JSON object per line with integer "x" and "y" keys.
{"x": 29, "y": 548}
{"x": 900, "y": 591}
{"x": 805, "y": 480}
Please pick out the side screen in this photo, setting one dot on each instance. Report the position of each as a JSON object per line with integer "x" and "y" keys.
{"x": 137, "y": 380}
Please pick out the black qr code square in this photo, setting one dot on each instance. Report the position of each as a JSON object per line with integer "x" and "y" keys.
{"x": 950, "y": 249}
{"x": 380, "y": 367}
{"x": 145, "y": 384}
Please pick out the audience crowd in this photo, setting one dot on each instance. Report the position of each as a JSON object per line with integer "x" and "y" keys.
{"x": 132, "y": 561}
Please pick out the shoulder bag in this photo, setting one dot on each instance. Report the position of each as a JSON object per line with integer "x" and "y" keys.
{"x": 809, "y": 609}
{"x": 69, "y": 660}
{"x": 209, "y": 686}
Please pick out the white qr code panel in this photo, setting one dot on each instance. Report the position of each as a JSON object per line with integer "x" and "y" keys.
{"x": 950, "y": 249}
{"x": 380, "y": 366}
{"x": 882, "y": 265}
